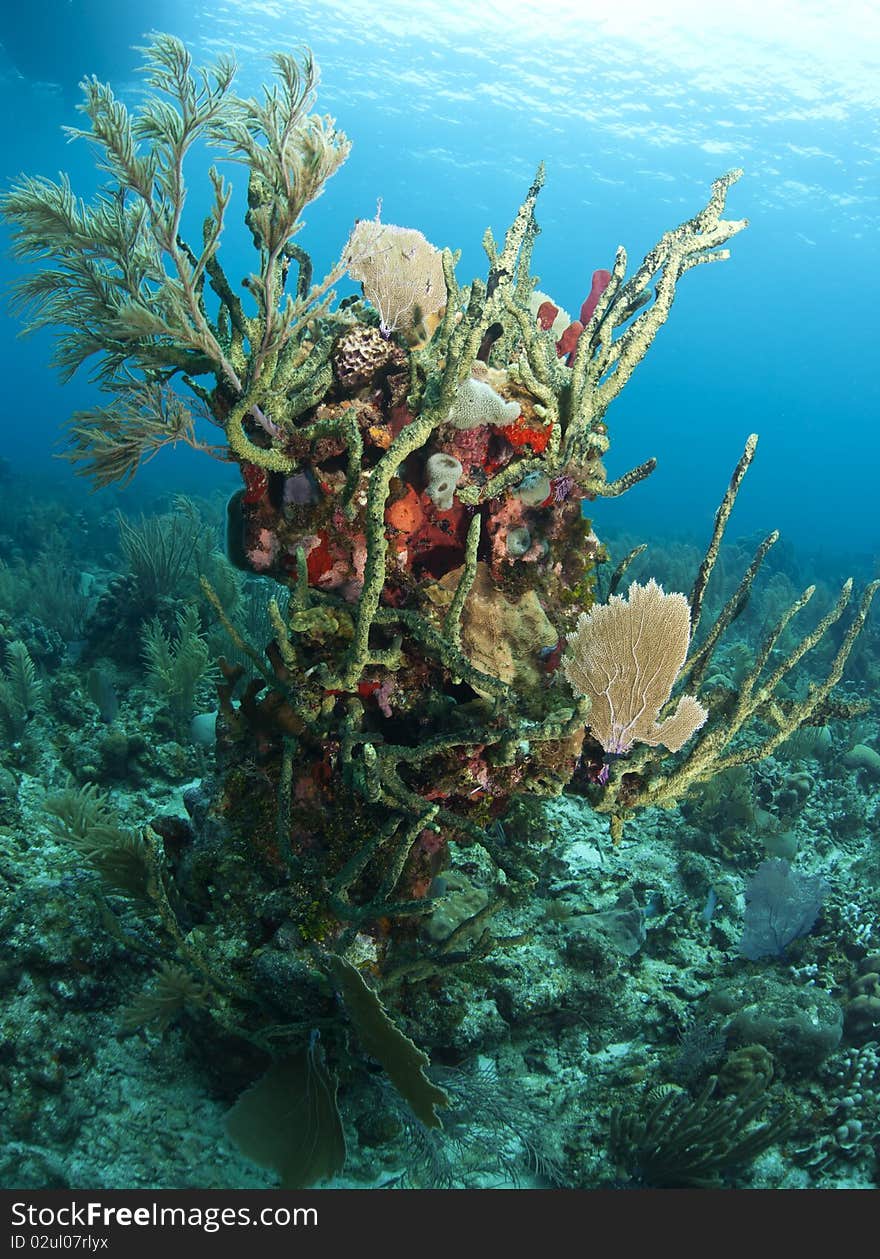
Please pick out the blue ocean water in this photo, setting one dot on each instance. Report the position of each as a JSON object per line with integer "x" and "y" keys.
{"x": 634, "y": 110}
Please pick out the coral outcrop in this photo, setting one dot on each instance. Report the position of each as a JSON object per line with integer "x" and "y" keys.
{"x": 415, "y": 469}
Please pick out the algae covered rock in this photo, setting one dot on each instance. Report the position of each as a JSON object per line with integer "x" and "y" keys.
{"x": 800, "y": 1026}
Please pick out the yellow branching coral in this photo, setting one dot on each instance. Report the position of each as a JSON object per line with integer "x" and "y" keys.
{"x": 745, "y": 725}
{"x": 625, "y": 656}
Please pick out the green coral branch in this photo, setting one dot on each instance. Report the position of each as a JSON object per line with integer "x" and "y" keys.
{"x": 123, "y": 287}
{"x": 613, "y": 489}
{"x": 411, "y": 438}
{"x": 603, "y": 364}
{"x": 452, "y": 620}
{"x": 517, "y": 240}
{"x": 358, "y": 862}
{"x": 512, "y": 474}
{"x": 722, "y": 515}
{"x": 350, "y": 429}
{"x": 694, "y": 668}
{"x": 443, "y": 649}
{"x": 645, "y": 779}
{"x": 246, "y": 450}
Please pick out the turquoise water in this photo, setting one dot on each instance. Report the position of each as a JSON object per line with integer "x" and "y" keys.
{"x": 633, "y": 115}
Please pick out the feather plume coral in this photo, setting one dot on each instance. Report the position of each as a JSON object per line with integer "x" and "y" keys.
{"x": 123, "y": 288}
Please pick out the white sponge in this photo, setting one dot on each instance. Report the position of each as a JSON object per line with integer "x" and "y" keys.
{"x": 478, "y": 403}
{"x": 444, "y": 473}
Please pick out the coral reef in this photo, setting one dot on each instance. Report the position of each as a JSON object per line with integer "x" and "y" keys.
{"x": 415, "y": 467}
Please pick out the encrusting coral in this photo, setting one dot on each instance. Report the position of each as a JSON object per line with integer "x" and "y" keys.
{"x": 414, "y": 470}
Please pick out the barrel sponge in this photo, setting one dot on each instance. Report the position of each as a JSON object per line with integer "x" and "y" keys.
{"x": 863, "y": 758}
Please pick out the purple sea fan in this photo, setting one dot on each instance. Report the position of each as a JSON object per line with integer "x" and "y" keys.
{"x": 781, "y": 905}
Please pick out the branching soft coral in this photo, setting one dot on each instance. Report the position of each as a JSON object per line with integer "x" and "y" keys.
{"x": 122, "y": 285}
